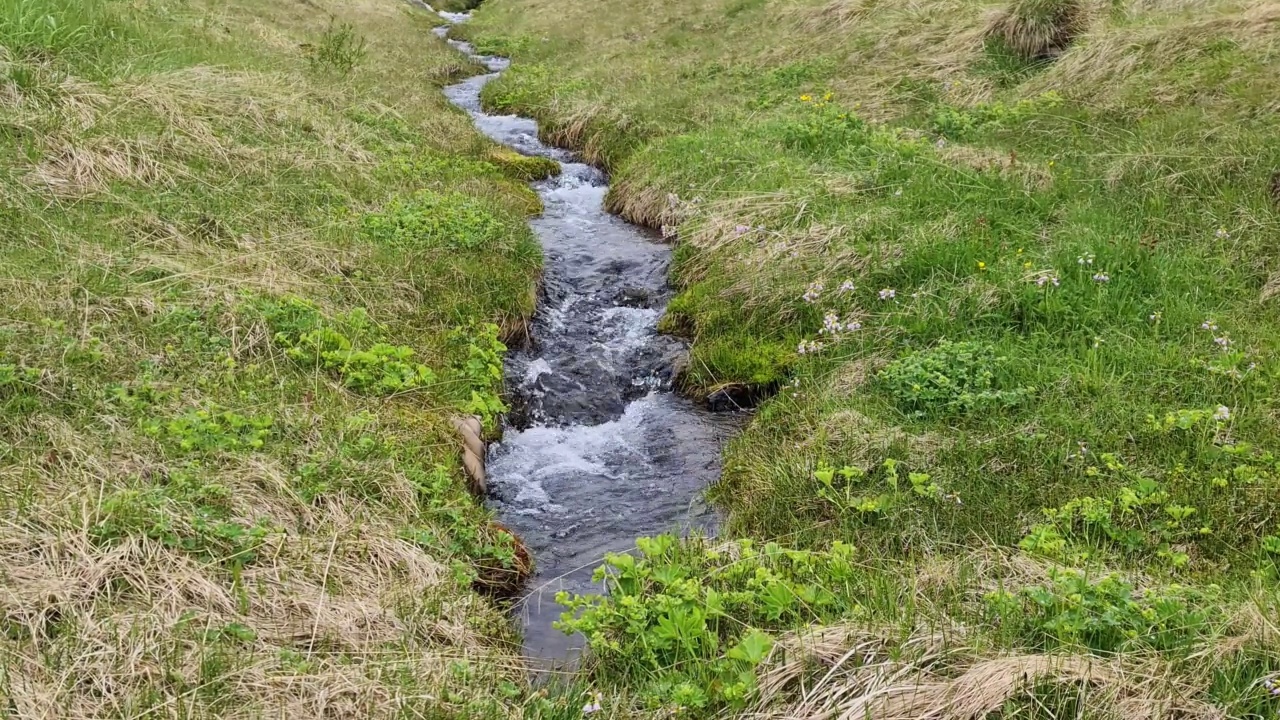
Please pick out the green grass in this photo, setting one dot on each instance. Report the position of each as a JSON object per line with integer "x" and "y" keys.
{"x": 1092, "y": 226}
{"x": 253, "y": 263}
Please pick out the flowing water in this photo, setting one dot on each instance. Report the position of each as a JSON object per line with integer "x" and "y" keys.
{"x": 599, "y": 450}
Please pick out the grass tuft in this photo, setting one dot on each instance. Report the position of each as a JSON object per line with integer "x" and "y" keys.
{"x": 1039, "y": 29}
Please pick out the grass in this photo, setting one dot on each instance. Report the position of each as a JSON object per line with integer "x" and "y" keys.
{"x": 253, "y": 265}
{"x": 1011, "y": 296}
{"x": 1006, "y": 269}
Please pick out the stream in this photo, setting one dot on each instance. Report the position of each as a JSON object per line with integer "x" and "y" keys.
{"x": 598, "y": 449}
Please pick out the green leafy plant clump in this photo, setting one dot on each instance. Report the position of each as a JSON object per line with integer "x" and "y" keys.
{"x": 1105, "y": 614}
{"x": 379, "y": 368}
{"x": 689, "y": 621}
{"x": 482, "y": 371}
{"x": 190, "y": 511}
{"x": 952, "y": 378}
{"x": 429, "y": 220}
{"x": 212, "y": 429}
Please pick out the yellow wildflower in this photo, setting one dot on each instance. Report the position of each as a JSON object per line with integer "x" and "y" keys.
{"x": 805, "y": 98}
{"x": 982, "y": 265}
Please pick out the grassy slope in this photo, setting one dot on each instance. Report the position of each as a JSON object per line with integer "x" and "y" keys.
{"x": 198, "y": 521}
{"x": 1102, "y": 222}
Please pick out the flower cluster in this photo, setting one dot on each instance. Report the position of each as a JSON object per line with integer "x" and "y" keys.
{"x": 1222, "y": 414}
{"x": 809, "y": 347}
{"x": 888, "y": 294}
{"x": 846, "y": 286}
{"x": 1047, "y": 279}
{"x": 813, "y": 292}
{"x": 1101, "y": 277}
{"x": 1085, "y": 259}
{"x": 1273, "y": 688}
{"x": 832, "y": 326}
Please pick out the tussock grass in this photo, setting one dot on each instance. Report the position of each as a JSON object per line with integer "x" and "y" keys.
{"x": 1039, "y": 29}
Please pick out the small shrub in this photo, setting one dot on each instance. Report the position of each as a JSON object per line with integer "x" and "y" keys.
{"x": 1039, "y": 29}
{"x": 430, "y": 220}
{"x": 951, "y": 378}
{"x": 340, "y": 49}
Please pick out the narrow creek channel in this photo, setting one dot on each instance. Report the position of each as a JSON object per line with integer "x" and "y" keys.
{"x": 600, "y": 450}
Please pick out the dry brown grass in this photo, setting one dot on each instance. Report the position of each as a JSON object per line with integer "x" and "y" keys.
{"x": 135, "y": 616}
{"x": 849, "y": 672}
{"x": 1123, "y": 62}
{"x": 72, "y": 169}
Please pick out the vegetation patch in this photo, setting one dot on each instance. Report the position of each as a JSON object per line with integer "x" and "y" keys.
{"x": 1005, "y": 277}
{"x": 951, "y": 378}
{"x": 229, "y": 486}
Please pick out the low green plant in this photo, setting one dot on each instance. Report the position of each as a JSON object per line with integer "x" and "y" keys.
{"x": 825, "y": 128}
{"x": 855, "y": 492}
{"x": 211, "y": 429}
{"x": 951, "y": 378}
{"x": 1104, "y": 614}
{"x": 966, "y": 123}
{"x": 688, "y": 622}
{"x": 378, "y": 369}
{"x": 482, "y": 370}
{"x": 1163, "y": 517}
{"x": 429, "y": 220}
{"x": 15, "y": 378}
{"x": 186, "y": 515}
{"x": 462, "y": 530}
{"x": 75, "y": 28}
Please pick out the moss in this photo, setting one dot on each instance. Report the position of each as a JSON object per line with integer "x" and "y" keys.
{"x": 523, "y": 167}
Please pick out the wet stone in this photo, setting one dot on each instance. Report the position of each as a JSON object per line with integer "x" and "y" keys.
{"x": 636, "y": 297}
